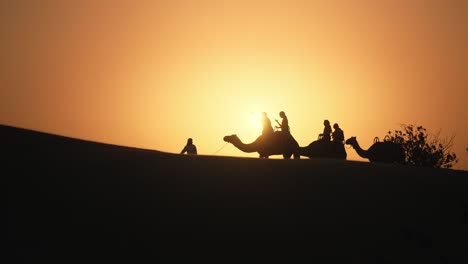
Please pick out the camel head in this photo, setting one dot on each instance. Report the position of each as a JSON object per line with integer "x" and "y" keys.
{"x": 232, "y": 138}
{"x": 351, "y": 141}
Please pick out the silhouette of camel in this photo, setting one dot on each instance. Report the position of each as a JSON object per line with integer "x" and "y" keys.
{"x": 387, "y": 151}
{"x": 324, "y": 149}
{"x": 277, "y": 143}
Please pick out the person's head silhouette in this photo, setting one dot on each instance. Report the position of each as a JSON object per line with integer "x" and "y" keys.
{"x": 336, "y": 126}
{"x": 326, "y": 122}
{"x": 282, "y": 114}
{"x": 189, "y": 141}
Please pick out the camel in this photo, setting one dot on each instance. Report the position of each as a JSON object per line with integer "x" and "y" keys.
{"x": 278, "y": 143}
{"x": 386, "y": 152}
{"x": 324, "y": 149}
{"x": 284, "y": 144}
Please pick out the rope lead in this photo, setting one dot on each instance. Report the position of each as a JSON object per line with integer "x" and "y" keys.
{"x": 220, "y": 148}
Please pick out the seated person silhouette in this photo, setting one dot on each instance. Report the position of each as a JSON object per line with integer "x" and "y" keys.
{"x": 267, "y": 128}
{"x": 326, "y": 135}
{"x": 338, "y": 134}
{"x": 284, "y": 126}
{"x": 190, "y": 148}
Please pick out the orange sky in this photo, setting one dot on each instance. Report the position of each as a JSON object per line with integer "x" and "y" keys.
{"x": 150, "y": 74}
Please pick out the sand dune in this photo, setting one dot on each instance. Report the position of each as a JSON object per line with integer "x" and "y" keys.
{"x": 81, "y": 199}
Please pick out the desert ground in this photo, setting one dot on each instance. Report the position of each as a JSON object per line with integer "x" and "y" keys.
{"x": 70, "y": 199}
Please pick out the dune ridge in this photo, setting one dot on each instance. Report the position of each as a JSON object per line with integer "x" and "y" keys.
{"x": 68, "y": 195}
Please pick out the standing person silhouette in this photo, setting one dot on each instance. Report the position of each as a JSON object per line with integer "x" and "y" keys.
{"x": 338, "y": 134}
{"x": 267, "y": 128}
{"x": 284, "y": 126}
{"x": 326, "y": 135}
{"x": 190, "y": 148}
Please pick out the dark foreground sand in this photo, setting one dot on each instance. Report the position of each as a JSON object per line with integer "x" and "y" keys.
{"x": 73, "y": 200}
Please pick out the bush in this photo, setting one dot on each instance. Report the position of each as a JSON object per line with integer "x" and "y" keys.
{"x": 423, "y": 149}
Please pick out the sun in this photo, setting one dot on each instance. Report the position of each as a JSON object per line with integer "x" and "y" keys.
{"x": 254, "y": 120}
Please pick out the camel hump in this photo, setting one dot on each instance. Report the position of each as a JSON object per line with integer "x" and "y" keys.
{"x": 386, "y": 144}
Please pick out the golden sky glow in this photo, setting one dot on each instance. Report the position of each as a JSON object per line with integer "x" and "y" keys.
{"x": 150, "y": 74}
